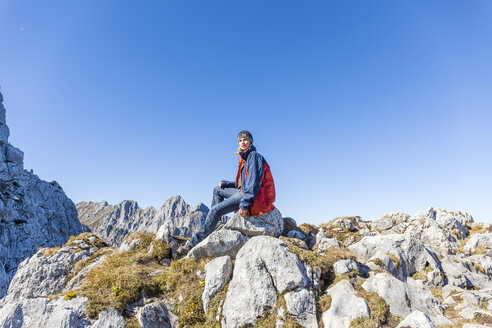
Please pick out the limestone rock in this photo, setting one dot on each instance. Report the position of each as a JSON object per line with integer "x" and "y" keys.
{"x": 483, "y": 240}
{"x": 402, "y": 298}
{"x": 114, "y": 223}
{"x": 40, "y": 313}
{"x": 410, "y": 252}
{"x": 43, "y": 276}
{"x": 302, "y": 305}
{"x": 270, "y": 224}
{"x": 264, "y": 267}
{"x": 219, "y": 243}
{"x": 417, "y": 319}
{"x": 33, "y": 213}
{"x": 157, "y": 315}
{"x": 218, "y": 272}
{"x": 110, "y": 318}
{"x": 345, "y": 306}
{"x": 345, "y": 266}
{"x": 463, "y": 273}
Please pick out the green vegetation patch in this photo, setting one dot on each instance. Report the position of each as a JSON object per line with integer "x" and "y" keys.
{"x": 122, "y": 277}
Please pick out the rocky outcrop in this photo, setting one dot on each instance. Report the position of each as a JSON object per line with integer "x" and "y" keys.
{"x": 113, "y": 223}
{"x": 345, "y": 273}
{"x": 345, "y": 306}
{"x": 45, "y": 274}
{"x": 33, "y": 213}
{"x": 264, "y": 267}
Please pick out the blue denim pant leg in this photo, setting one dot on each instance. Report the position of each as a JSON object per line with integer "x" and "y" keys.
{"x": 225, "y": 200}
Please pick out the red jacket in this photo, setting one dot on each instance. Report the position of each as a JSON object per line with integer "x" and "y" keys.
{"x": 257, "y": 183}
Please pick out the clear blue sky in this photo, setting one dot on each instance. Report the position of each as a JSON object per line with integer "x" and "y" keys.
{"x": 360, "y": 107}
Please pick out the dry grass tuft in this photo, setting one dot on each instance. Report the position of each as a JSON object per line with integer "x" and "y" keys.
{"x": 121, "y": 278}
{"x": 418, "y": 276}
{"x": 180, "y": 284}
{"x": 396, "y": 260}
{"x": 324, "y": 303}
{"x": 480, "y": 250}
{"x": 308, "y": 229}
{"x": 378, "y": 309}
{"x": 50, "y": 251}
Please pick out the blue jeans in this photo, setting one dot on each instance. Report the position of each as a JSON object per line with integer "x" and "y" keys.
{"x": 225, "y": 200}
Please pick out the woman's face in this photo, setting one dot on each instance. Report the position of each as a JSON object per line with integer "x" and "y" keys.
{"x": 244, "y": 143}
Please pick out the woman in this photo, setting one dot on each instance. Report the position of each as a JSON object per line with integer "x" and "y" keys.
{"x": 253, "y": 192}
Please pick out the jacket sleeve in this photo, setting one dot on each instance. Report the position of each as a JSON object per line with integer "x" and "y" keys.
{"x": 228, "y": 184}
{"x": 254, "y": 165}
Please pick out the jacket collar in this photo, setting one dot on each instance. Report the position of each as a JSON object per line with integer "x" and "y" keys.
{"x": 246, "y": 153}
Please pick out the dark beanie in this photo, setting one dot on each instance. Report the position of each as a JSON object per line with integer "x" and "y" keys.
{"x": 245, "y": 134}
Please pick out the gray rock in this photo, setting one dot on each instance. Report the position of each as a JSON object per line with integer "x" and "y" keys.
{"x": 417, "y": 319}
{"x": 114, "y": 223}
{"x": 323, "y": 242}
{"x": 461, "y": 272}
{"x": 302, "y": 305}
{"x": 157, "y": 315}
{"x": 469, "y": 311}
{"x": 345, "y": 266}
{"x": 78, "y": 279}
{"x": 270, "y": 224}
{"x": 345, "y": 306}
{"x": 403, "y": 298}
{"x": 14, "y": 155}
{"x": 264, "y": 267}
{"x": 40, "y": 313}
{"x": 4, "y": 133}
{"x": 33, "y": 214}
{"x": 411, "y": 252}
{"x": 219, "y": 243}
{"x": 296, "y": 234}
{"x": 483, "y": 240}
{"x": 218, "y": 272}
{"x": 43, "y": 276}
{"x": 110, "y": 318}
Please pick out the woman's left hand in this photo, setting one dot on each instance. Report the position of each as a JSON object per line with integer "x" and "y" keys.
{"x": 244, "y": 213}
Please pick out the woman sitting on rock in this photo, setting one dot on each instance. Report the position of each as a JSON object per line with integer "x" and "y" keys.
{"x": 253, "y": 192}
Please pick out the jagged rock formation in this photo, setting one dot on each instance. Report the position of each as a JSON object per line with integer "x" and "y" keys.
{"x": 345, "y": 273}
{"x": 33, "y": 213}
{"x": 113, "y": 223}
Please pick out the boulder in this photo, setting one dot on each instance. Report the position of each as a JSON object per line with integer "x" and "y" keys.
{"x": 462, "y": 273}
{"x": 217, "y": 275}
{"x": 482, "y": 240}
{"x": 417, "y": 319}
{"x": 219, "y": 243}
{"x": 410, "y": 254}
{"x": 41, "y": 313}
{"x": 33, "y": 214}
{"x": 345, "y": 266}
{"x": 157, "y": 315}
{"x": 45, "y": 275}
{"x": 110, "y": 318}
{"x": 264, "y": 267}
{"x": 301, "y": 304}
{"x": 270, "y": 224}
{"x": 345, "y": 306}
{"x": 403, "y": 298}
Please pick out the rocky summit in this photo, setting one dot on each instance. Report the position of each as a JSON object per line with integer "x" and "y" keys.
{"x": 33, "y": 213}
{"x": 431, "y": 269}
